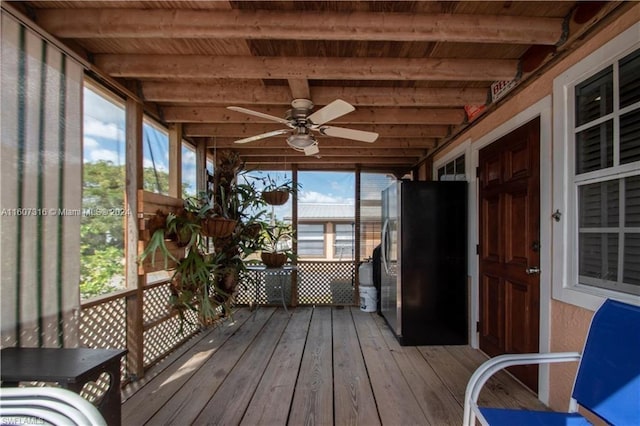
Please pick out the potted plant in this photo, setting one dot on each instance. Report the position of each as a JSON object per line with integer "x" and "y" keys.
{"x": 276, "y": 192}
{"x": 276, "y": 242}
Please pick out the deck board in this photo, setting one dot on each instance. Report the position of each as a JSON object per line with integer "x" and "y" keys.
{"x": 437, "y": 403}
{"x": 396, "y": 403}
{"x": 313, "y": 397}
{"x": 272, "y": 399}
{"x": 236, "y": 391}
{"x": 353, "y": 397}
{"x": 185, "y": 406}
{"x": 320, "y": 366}
{"x": 164, "y": 385}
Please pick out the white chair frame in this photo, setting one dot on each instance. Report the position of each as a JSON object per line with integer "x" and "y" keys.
{"x": 55, "y": 406}
{"x": 493, "y": 365}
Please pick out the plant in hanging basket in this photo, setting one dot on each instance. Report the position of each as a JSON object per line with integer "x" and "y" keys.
{"x": 275, "y": 191}
{"x": 276, "y": 243}
{"x": 273, "y": 260}
{"x": 276, "y": 197}
{"x": 218, "y": 227}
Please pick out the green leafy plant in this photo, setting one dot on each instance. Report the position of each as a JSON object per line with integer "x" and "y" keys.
{"x": 278, "y": 238}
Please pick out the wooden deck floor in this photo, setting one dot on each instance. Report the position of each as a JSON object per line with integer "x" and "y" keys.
{"x": 311, "y": 366}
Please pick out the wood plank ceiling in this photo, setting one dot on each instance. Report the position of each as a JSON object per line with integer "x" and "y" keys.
{"x": 409, "y": 67}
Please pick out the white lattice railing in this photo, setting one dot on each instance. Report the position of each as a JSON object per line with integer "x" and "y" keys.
{"x": 104, "y": 324}
{"x": 104, "y": 319}
{"x": 318, "y": 283}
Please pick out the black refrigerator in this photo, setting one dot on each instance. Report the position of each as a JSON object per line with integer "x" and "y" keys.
{"x": 423, "y": 292}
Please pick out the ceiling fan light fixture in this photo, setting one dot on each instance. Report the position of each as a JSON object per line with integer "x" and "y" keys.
{"x": 301, "y": 141}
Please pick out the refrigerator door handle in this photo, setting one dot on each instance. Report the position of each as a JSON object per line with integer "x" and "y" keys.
{"x": 383, "y": 251}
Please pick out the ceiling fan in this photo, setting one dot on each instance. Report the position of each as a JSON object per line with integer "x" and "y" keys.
{"x": 301, "y": 123}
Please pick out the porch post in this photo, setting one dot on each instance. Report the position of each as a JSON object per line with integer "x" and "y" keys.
{"x": 175, "y": 160}
{"x": 135, "y": 276}
{"x": 356, "y": 242}
{"x": 294, "y": 219}
{"x": 201, "y": 165}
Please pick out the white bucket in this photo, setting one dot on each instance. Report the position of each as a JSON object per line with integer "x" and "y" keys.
{"x": 368, "y": 299}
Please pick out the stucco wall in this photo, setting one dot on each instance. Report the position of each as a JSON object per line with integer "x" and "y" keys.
{"x": 569, "y": 326}
{"x": 569, "y": 323}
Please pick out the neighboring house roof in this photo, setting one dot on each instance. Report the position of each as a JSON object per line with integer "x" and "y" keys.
{"x": 321, "y": 211}
{"x": 334, "y": 212}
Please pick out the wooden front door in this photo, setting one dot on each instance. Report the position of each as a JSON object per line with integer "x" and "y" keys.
{"x": 509, "y": 183}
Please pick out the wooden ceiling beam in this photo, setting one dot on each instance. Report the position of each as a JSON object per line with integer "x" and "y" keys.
{"x": 239, "y": 94}
{"x": 324, "y": 68}
{"x": 296, "y": 157}
{"x": 246, "y": 130}
{"x": 299, "y": 88}
{"x": 299, "y": 25}
{"x": 346, "y": 151}
{"x": 333, "y": 143}
{"x": 369, "y": 115}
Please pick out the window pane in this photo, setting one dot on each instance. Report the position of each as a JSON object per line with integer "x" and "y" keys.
{"x": 371, "y": 187}
{"x": 594, "y": 97}
{"x": 188, "y": 170}
{"x": 450, "y": 168}
{"x": 310, "y": 248}
{"x": 103, "y": 186}
{"x": 631, "y": 256}
{"x": 155, "y": 142}
{"x": 440, "y": 172}
{"x": 599, "y": 256}
{"x": 343, "y": 245}
{"x": 630, "y": 137}
{"x": 460, "y": 165}
{"x": 311, "y": 240}
{"x": 632, "y": 202}
{"x": 599, "y": 204}
{"x": 629, "y": 81}
{"x": 594, "y": 148}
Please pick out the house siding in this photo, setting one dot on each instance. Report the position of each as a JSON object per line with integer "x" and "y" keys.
{"x": 568, "y": 323}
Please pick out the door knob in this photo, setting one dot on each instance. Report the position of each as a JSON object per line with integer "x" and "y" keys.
{"x": 532, "y": 270}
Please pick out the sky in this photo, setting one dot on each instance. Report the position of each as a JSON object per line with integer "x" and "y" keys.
{"x": 104, "y": 139}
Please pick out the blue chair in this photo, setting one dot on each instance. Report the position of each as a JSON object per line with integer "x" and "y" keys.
{"x": 607, "y": 383}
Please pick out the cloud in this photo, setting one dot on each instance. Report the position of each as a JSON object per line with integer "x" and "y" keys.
{"x": 188, "y": 156}
{"x": 90, "y": 143}
{"x": 317, "y": 197}
{"x": 99, "y": 108}
{"x": 159, "y": 166}
{"x": 112, "y": 131}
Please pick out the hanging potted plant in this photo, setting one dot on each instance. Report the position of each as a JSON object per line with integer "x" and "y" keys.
{"x": 276, "y": 193}
{"x": 214, "y": 219}
{"x": 277, "y": 245}
{"x": 219, "y": 224}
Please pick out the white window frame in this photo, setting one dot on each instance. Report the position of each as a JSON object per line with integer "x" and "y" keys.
{"x": 565, "y": 232}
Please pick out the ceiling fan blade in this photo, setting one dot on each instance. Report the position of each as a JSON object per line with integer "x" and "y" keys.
{"x": 258, "y": 114}
{"x": 311, "y": 150}
{"x": 341, "y": 132}
{"x": 263, "y": 136}
{"x": 335, "y": 109}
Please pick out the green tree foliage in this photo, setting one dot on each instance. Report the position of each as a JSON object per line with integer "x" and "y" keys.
{"x": 103, "y": 224}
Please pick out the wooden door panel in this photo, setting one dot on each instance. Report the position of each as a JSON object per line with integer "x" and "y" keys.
{"x": 516, "y": 244}
{"x": 509, "y": 201}
{"x": 492, "y": 319}
{"x": 517, "y": 162}
{"x": 492, "y": 173}
{"x": 491, "y": 242}
{"x": 519, "y": 298}
{"x": 522, "y": 297}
